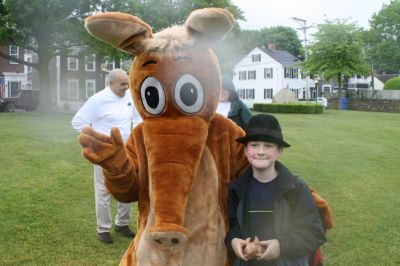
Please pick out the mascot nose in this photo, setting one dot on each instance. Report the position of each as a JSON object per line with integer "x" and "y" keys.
{"x": 168, "y": 239}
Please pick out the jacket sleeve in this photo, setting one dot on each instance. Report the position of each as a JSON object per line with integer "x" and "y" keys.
{"x": 234, "y": 227}
{"x": 305, "y": 233}
{"x": 245, "y": 113}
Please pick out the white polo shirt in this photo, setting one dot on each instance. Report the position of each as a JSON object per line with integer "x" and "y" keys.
{"x": 105, "y": 110}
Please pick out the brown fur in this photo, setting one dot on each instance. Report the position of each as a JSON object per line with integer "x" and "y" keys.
{"x": 176, "y": 165}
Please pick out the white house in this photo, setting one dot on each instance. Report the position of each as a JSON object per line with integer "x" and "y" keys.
{"x": 263, "y": 72}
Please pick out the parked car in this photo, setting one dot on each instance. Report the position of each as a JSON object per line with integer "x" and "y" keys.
{"x": 322, "y": 100}
{"x": 26, "y": 99}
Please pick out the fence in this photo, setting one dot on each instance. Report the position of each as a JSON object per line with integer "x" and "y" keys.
{"x": 376, "y": 101}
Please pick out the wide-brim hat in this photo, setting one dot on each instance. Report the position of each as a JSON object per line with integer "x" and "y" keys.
{"x": 264, "y": 128}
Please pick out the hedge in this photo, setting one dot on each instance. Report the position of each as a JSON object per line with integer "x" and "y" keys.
{"x": 392, "y": 84}
{"x": 292, "y": 108}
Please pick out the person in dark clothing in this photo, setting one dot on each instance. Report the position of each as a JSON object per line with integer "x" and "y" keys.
{"x": 231, "y": 106}
{"x": 269, "y": 202}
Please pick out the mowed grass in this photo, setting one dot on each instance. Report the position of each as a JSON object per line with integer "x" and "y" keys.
{"x": 47, "y": 214}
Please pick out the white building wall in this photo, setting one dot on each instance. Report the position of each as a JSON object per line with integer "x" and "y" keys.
{"x": 277, "y": 83}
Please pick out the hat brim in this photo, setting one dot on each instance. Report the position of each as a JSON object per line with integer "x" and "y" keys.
{"x": 262, "y": 137}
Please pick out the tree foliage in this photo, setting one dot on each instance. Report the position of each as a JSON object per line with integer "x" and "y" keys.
{"x": 285, "y": 38}
{"x": 41, "y": 26}
{"x": 383, "y": 39}
{"x": 337, "y": 51}
{"x": 52, "y": 27}
{"x": 392, "y": 84}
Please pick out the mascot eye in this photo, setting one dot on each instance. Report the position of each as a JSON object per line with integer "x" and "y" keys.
{"x": 189, "y": 94}
{"x": 153, "y": 96}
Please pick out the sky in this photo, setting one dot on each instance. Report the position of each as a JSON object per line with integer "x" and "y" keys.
{"x": 268, "y": 13}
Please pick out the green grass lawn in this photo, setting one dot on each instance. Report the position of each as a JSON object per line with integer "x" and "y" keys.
{"x": 47, "y": 214}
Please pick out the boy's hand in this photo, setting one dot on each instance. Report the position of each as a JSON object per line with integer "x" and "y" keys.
{"x": 238, "y": 246}
{"x": 272, "y": 249}
{"x": 253, "y": 248}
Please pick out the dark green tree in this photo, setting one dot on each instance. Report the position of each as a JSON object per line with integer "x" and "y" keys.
{"x": 383, "y": 39}
{"x": 336, "y": 52}
{"x": 41, "y": 26}
{"x": 285, "y": 38}
{"x": 53, "y": 27}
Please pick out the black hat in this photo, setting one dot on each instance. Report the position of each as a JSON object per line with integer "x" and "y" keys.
{"x": 265, "y": 128}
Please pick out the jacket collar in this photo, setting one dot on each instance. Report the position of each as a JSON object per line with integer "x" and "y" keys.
{"x": 286, "y": 180}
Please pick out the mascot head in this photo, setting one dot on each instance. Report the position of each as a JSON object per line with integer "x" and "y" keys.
{"x": 175, "y": 83}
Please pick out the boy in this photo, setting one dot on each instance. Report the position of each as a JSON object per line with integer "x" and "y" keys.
{"x": 270, "y": 203}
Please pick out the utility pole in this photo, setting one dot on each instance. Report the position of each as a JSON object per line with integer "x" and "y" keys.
{"x": 303, "y": 28}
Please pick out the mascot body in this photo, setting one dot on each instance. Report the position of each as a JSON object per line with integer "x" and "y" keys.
{"x": 178, "y": 162}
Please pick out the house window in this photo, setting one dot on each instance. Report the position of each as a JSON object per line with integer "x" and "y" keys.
{"x": 291, "y": 73}
{"x": 110, "y": 65}
{"x": 28, "y": 69}
{"x": 73, "y": 89}
{"x": 268, "y": 73}
{"x": 251, "y": 74}
{"x": 250, "y": 94}
{"x": 246, "y": 94}
{"x": 268, "y": 93}
{"x": 13, "y": 51}
{"x": 242, "y": 75}
{"x": 90, "y": 87}
{"x": 13, "y": 88}
{"x": 241, "y": 93}
{"x": 287, "y": 72}
{"x": 73, "y": 63}
{"x": 256, "y": 57}
{"x": 90, "y": 62}
{"x": 326, "y": 89}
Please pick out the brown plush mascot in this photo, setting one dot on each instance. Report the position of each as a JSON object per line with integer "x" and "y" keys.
{"x": 177, "y": 164}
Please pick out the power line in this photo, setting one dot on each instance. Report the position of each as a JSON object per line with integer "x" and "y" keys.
{"x": 303, "y": 28}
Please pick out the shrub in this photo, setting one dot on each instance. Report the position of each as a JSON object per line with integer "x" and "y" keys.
{"x": 392, "y": 84}
{"x": 292, "y": 108}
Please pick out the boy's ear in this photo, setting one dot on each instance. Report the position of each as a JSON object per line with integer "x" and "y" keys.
{"x": 245, "y": 149}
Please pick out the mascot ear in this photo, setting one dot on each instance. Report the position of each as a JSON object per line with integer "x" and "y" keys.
{"x": 120, "y": 30}
{"x": 209, "y": 25}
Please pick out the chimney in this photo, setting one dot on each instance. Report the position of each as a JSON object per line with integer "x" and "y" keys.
{"x": 271, "y": 46}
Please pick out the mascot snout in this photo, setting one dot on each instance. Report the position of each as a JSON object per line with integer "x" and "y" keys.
{"x": 174, "y": 160}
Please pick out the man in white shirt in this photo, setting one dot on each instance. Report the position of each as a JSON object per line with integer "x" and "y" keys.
{"x": 111, "y": 107}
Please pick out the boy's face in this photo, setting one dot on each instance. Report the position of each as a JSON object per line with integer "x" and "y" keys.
{"x": 261, "y": 154}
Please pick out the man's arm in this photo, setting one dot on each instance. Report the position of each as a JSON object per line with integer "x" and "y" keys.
{"x": 85, "y": 116}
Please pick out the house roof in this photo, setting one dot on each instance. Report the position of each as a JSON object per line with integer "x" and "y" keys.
{"x": 385, "y": 77}
{"x": 282, "y": 56}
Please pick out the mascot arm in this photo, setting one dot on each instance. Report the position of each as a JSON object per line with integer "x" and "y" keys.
{"x": 324, "y": 210}
{"x": 110, "y": 153}
{"x": 240, "y": 159}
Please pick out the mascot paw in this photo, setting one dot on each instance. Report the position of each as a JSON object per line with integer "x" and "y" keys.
{"x": 253, "y": 248}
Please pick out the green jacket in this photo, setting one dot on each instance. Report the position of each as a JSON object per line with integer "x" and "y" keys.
{"x": 240, "y": 114}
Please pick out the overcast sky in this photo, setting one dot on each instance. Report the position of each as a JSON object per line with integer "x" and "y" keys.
{"x": 268, "y": 13}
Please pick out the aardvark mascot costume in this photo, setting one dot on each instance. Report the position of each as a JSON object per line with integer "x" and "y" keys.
{"x": 178, "y": 162}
